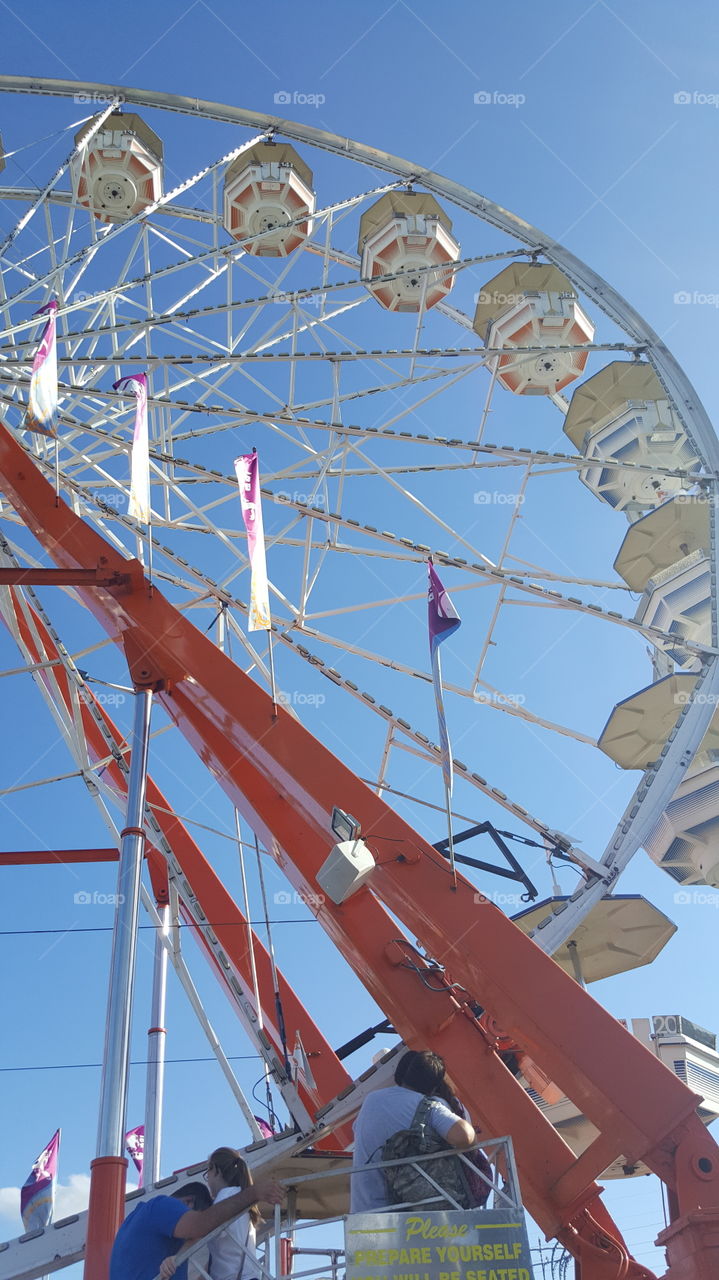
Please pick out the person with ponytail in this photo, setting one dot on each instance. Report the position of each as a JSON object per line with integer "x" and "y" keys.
{"x": 232, "y": 1253}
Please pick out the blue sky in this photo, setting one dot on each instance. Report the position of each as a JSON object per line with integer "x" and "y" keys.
{"x": 584, "y": 138}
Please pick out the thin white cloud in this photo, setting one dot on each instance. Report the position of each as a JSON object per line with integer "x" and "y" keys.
{"x": 9, "y": 1202}
{"x": 73, "y": 1197}
{"x": 70, "y": 1197}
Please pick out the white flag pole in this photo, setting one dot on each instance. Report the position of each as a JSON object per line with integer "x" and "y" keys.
{"x": 446, "y": 772}
{"x": 149, "y": 551}
{"x": 273, "y": 686}
{"x": 443, "y": 620}
{"x": 450, "y": 836}
{"x": 54, "y": 1185}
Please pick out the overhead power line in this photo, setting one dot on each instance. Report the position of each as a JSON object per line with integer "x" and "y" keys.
{"x": 139, "y": 1062}
{"x": 107, "y": 928}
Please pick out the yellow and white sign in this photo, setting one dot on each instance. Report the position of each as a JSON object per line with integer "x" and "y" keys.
{"x": 471, "y": 1244}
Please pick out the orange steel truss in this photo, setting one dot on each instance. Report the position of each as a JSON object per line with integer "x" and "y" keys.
{"x": 285, "y": 783}
{"x": 224, "y": 916}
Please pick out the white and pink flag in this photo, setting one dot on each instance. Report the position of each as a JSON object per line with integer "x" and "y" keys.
{"x": 135, "y": 1147}
{"x": 248, "y": 478}
{"x": 139, "y": 504}
{"x": 41, "y": 412}
{"x": 37, "y": 1196}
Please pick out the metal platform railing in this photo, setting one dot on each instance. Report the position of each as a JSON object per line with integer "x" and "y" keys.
{"x": 503, "y": 1193}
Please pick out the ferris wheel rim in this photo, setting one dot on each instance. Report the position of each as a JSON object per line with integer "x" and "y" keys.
{"x": 688, "y": 734}
{"x": 592, "y": 284}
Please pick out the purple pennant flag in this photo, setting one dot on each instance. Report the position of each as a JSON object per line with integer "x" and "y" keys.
{"x": 42, "y": 401}
{"x": 442, "y": 616}
{"x": 135, "y": 1147}
{"x": 443, "y": 620}
{"x": 37, "y": 1197}
{"x": 265, "y": 1129}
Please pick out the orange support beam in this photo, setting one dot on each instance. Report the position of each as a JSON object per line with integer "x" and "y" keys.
{"x": 106, "y": 1212}
{"x": 60, "y": 578}
{"x": 42, "y": 857}
{"x": 230, "y": 926}
{"x": 286, "y": 783}
{"x": 221, "y": 911}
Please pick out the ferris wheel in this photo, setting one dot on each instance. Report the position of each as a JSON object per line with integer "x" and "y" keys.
{"x": 249, "y": 293}
{"x": 379, "y": 334}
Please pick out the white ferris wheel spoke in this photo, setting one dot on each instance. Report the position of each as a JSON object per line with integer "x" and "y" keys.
{"x": 174, "y": 282}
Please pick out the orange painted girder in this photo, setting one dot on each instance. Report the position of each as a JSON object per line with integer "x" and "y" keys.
{"x": 286, "y": 783}
{"x": 230, "y": 925}
{"x": 222, "y": 912}
{"x": 47, "y": 857}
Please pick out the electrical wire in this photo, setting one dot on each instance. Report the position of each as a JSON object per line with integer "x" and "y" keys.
{"x": 107, "y": 928}
{"x": 36, "y": 141}
{"x": 273, "y": 966}
{"x": 138, "y": 1062}
{"x": 268, "y": 1104}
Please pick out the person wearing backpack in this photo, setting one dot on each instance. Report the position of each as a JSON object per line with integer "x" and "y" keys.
{"x": 480, "y": 1177}
{"x": 408, "y": 1113}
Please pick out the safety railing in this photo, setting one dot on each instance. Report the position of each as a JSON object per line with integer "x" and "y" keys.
{"x": 503, "y": 1193}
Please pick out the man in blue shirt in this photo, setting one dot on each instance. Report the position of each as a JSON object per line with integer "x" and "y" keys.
{"x": 161, "y": 1226}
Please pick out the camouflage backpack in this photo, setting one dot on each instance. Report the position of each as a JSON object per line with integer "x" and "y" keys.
{"x": 405, "y": 1183}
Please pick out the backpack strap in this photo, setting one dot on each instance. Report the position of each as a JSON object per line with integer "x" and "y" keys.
{"x": 418, "y": 1125}
{"x": 421, "y": 1115}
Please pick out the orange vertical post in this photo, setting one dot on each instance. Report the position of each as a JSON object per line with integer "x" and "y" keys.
{"x": 105, "y": 1213}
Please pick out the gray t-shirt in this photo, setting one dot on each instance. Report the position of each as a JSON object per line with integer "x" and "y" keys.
{"x": 383, "y": 1113}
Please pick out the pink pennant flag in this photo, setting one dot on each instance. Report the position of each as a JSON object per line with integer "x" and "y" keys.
{"x": 37, "y": 1196}
{"x": 135, "y": 1147}
{"x": 139, "y": 504}
{"x": 265, "y": 1129}
{"x": 248, "y": 478}
{"x": 41, "y": 411}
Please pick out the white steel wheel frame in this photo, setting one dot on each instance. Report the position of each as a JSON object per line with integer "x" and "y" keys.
{"x": 660, "y": 781}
